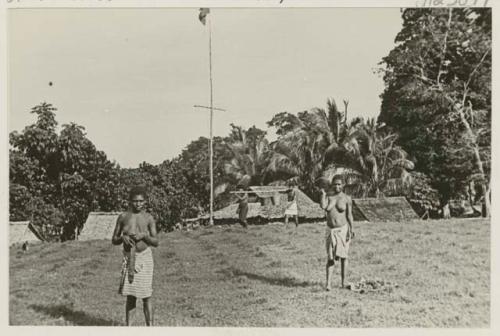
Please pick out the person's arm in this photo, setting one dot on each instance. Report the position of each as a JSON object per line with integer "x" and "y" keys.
{"x": 350, "y": 219}
{"x": 117, "y": 239}
{"x": 152, "y": 238}
{"x": 323, "y": 201}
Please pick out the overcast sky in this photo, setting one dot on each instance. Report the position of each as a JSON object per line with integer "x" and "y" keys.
{"x": 132, "y": 76}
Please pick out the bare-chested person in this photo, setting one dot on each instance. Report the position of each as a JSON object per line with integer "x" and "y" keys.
{"x": 338, "y": 207}
{"x": 136, "y": 230}
{"x": 242, "y": 210}
{"x": 292, "y": 208}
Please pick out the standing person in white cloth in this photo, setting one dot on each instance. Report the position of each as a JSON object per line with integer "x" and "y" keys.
{"x": 292, "y": 208}
{"x": 136, "y": 230}
{"x": 338, "y": 207}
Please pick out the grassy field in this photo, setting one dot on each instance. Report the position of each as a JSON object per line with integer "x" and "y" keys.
{"x": 267, "y": 276}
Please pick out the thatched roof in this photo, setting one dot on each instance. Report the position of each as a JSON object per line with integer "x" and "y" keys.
{"x": 99, "y": 225}
{"x": 384, "y": 209}
{"x": 357, "y": 214}
{"x": 271, "y": 210}
{"x": 20, "y": 232}
{"x": 263, "y": 191}
{"x": 230, "y": 212}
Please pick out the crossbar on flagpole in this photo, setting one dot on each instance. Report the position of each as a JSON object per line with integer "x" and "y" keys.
{"x": 258, "y": 191}
{"x": 208, "y": 107}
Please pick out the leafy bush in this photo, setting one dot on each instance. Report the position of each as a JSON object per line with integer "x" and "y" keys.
{"x": 422, "y": 197}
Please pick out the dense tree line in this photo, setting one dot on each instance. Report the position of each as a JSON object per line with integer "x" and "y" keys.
{"x": 438, "y": 97}
{"x": 57, "y": 178}
{"x": 430, "y": 143}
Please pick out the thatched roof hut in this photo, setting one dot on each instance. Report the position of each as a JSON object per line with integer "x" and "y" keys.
{"x": 23, "y": 231}
{"x": 99, "y": 225}
{"x": 383, "y": 209}
{"x": 231, "y": 212}
{"x": 271, "y": 206}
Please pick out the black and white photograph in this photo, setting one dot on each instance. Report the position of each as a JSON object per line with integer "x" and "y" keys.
{"x": 272, "y": 164}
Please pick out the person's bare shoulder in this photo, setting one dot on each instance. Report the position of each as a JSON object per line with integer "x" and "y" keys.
{"x": 121, "y": 217}
{"x": 149, "y": 217}
{"x": 125, "y": 213}
{"x": 124, "y": 216}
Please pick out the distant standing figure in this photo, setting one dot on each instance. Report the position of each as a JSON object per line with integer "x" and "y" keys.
{"x": 25, "y": 247}
{"x": 242, "y": 207}
{"x": 292, "y": 208}
{"x": 338, "y": 207}
{"x": 136, "y": 230}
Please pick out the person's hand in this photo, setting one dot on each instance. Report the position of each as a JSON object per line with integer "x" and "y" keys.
{"x": 127, "y": 240}
{"x": 350, "y": 235}
{"x": 138, "y": 236}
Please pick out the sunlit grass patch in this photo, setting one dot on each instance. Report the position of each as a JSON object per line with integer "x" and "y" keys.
{"x": 267, "y": 276}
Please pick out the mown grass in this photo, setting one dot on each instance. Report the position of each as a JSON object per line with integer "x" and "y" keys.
{"x": 268, "y": 276}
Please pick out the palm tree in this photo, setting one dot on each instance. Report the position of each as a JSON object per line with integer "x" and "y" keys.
{"x": 394, "y": 167}
{"x": 299, "y": 151}
{"x": 370, "y": 160}
{"x": 318, "y": 143}
{"x": 249, "y": 149}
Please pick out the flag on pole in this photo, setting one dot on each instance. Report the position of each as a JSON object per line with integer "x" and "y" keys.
{"x": 203, "y": 14}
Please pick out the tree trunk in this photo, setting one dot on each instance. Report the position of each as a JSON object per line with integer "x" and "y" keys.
{"x": 478, "y": 162}
{"x": 470, "y": 194}
{"x": 346, "y": 103}
{"x": 486, "y": 204}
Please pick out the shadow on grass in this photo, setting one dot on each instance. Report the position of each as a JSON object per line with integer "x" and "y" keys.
{"x": 276, "y": 281}
{"x": 76, "y": 317}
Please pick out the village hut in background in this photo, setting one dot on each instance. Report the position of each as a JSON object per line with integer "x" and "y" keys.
{"x": 23, "y": 231}
{"x": 99, "y": 225}
{"x": 269, "y": 205}
{"x": 383, "y": 209}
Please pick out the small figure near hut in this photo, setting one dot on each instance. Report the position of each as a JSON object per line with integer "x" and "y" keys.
{"x": 242, "y": 210}
{"x": 292, "y": 208}
{"x": 136, "y": 230}
{"x": 25, "y": 247}
{"x": 338, "y": 207}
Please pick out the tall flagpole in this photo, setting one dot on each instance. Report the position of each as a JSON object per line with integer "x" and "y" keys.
{"x": 203, "y": 16}
{"x": 211, "y": 221}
